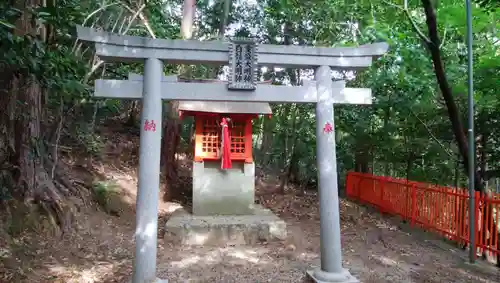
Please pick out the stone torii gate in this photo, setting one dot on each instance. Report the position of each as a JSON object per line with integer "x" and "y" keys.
{"x": 243, "y": 58}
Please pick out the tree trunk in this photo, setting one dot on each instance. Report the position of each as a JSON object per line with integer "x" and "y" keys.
{"x": 409, "y": 165}
{"x": 172, "y": 128}
{"x": 433, "y": 44}
{"x": 267, "y": 139}
{"x": 133, "y": 113}
{"x": 361, "y": 158}
{"x": 225, "y": 17}
{"x": 171, "y": 139}
{"x": 292, "y": 151}
{"x": 457, "y": 172}
{"x": 21, "y": 136}
{"x": 289, "y": 150}
{"x": 387, "y": 117}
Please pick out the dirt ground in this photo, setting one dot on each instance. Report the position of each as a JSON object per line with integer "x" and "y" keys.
{"x": 100, "y": 249}
{"x": 374, "y": 249}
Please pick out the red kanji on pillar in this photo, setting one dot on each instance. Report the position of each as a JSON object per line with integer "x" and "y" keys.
{"x": 328, "y": 128}
{"x": 226, "y": 146}
{"x": 150, "y": 126}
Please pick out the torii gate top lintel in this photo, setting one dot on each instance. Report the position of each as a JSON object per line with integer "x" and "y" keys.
{"x": 114, "y": 47}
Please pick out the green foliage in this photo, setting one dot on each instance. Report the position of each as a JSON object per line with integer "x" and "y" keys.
{"x": 92, "y": 142}
{"x": 105, "y": 192}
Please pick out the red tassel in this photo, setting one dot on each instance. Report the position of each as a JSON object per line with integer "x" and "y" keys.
{"x": 226, "y": 145}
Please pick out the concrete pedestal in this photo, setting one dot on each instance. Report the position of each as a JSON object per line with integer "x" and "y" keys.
{"x": 319, "y": 276}
{"x": 188, "y": 229}
{"x": 158, "y": 280}
{"x": 223, "y": 192}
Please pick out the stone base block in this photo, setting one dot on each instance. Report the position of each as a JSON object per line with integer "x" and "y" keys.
{"x": 158, "y": 280}
{"x": 319, "y": 276}
{"x": 223, "y": 192}
{"x": 262, "y": 225}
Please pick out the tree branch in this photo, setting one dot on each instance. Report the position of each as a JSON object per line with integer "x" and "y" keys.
{"x": 410, "y": 18}
{"x": 416, "y": 28}
{"x": 444, "y": 39}
{"x": 432, "y": 135}
{"x": 143, "y": 18}
{"x": 138, "y": 13}
{"x": 97, "y": 62}
{"x": 225, "y": 17}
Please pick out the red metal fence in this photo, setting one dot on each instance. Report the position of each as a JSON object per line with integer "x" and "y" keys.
{"x": 442, "y": 210}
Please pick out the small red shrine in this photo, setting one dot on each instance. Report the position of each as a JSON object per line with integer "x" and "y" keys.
{"x": 215, "y": 120}
{"x": 223, "y": 167}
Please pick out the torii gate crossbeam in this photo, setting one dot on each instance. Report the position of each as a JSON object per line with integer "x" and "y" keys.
{"x": 217, "y": 91}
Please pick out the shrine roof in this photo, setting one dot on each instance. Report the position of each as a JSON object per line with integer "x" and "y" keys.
{"x": 226, "y": 107}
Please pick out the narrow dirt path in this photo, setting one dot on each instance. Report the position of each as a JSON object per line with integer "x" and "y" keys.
{"x": 374, "y": 250}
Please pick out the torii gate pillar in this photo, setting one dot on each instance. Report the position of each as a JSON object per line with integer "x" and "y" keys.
{"x": 146, "y": 228}
{"x": 331, "y": 251}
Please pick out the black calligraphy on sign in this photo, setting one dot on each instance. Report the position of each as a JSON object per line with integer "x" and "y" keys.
{"x": 243, "y": 65}
{"x": 238, "y": 70}
{"x": 248, "y": 73}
